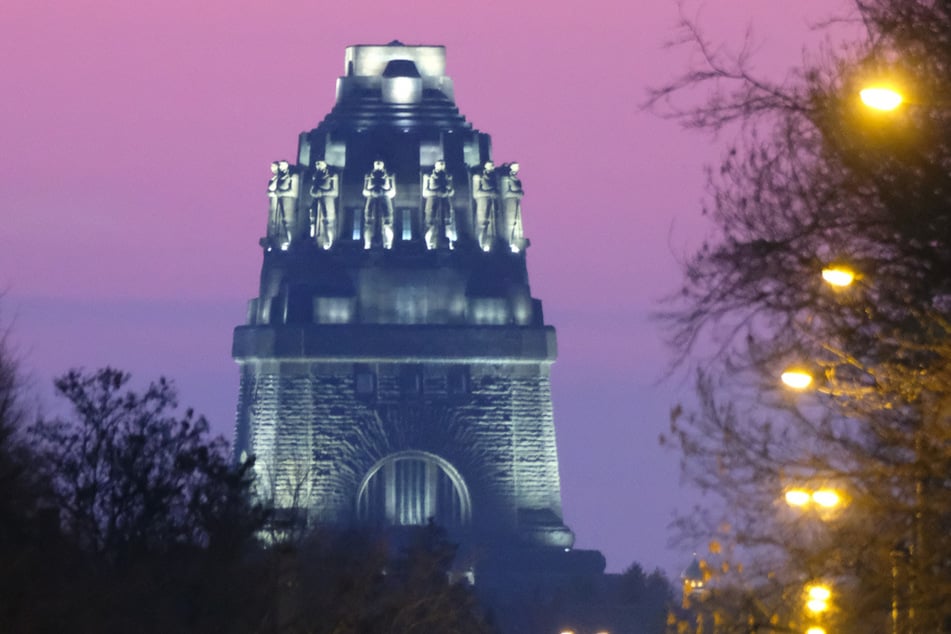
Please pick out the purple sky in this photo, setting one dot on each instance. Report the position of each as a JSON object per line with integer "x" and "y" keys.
{"x": 135, "y": 140}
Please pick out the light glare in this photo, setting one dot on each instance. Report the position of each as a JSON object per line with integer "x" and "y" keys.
{"x": 838, "y": 276}
{"x": 815, "y": 605}
{"x": 797, "y": 497}
{"x": 816, "y": 630}
{"x": 819, "y": 593}
{"x": 826, "y": 498}
{"x": 880, "y": 98}
{"x": 796, "y": 379}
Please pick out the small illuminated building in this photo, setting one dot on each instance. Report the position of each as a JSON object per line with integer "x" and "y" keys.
{"x": 694, "y": 581}
{"x": 394, "y": 364}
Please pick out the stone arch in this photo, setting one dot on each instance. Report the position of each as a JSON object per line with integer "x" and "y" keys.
{"x": 408, "y": 488}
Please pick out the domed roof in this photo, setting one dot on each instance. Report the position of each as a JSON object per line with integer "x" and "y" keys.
{"x": 394, "y": 86}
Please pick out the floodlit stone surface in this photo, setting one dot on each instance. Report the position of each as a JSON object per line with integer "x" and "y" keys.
{"x": 387, "y": 377}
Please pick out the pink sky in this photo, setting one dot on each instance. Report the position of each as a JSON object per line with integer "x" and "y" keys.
{"x": 136, "y": 139}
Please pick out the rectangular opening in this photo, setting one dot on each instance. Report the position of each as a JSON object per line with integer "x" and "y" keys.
{"x": 411, "y": 381}
{"x": 457, "y": 381}
{"x": 357, "y": 214}
{"x": 407, "y": 222}
{"x": 364, "y": 381}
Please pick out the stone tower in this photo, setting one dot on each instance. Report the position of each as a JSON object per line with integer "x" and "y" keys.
{"x": 395, "y": 366}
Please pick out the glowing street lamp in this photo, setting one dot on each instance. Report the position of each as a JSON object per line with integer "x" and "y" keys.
{"x": 826, "y": 498}
{"x": 797, "y": 497}
{"x": 881, "y": 98}
{"x": 818, "y": 597}
{"x": 817, "y": 605}
{"x": 796, "y": 378}
{"x": 839, "y": 276}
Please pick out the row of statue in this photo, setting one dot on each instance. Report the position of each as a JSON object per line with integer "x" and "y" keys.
{"x": 497, "y": 193}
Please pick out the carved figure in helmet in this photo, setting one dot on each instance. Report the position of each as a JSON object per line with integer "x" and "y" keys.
{"x": 438, "y": 213}
{"x": 283, "y": 190}
{"x": 324, "y": 189}
{"x": 379, "y": 188}
{"x": 510, "y": 227}
{"x": 485, "y": 190}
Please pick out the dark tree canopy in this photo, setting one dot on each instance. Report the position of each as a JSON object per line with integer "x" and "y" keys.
{"x": 127, "y": 474}
{"x": 816, "y": 179}
{"x": 124, "y": 516}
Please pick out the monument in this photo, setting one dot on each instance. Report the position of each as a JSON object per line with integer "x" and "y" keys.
{"x": 394, "y": 365}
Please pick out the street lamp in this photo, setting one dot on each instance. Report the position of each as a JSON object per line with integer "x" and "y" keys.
{"x": 881, "y": 98}
{"x": 839, "y": 276}
{"x": 817, "y": 598}
{"x": 797, "y": 497}
{"x": 796, "y": 378}
{"x": 824, "y": 498}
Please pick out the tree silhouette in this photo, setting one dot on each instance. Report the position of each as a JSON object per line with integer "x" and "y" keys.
{"x": 815, "y": 180}
{"x": 129, "y": 476}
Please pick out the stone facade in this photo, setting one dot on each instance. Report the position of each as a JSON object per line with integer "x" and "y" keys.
{"x": 400, "y": 371}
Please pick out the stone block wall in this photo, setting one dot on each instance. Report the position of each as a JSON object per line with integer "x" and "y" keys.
{"x": 314, "y": 437}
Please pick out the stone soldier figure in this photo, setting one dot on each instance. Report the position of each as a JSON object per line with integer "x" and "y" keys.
{"x": 282, "y": 191}
{"x": 439, "y": 216}
{"x": 510, "y": 229}
{"x": 379, "y": 188}
{"x": 485, "y": 190}
{"x": 324, "y": 189}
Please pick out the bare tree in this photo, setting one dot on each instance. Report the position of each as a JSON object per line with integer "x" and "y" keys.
{"x": 127, "y": 474}
{"x": 815, "y": 180}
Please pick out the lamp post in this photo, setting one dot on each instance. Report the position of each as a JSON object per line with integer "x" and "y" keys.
{"x": 818, "y": 595}
{"x": 902, "y": 556}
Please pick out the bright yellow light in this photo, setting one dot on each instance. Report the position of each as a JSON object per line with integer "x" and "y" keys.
{"x": 815, "y": 605}
{"x": 796, "y": 379}
{"x": 797, "y": 497}
{"x": 880, "y": 98}
{"x": 816, "y": 630}
{"x": 826, "y": 498}
{"x": 838, "y": 276}
{"x": 818, "y": 598}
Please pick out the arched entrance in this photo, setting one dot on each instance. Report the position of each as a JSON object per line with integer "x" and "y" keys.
{"x": 409, "y": 487}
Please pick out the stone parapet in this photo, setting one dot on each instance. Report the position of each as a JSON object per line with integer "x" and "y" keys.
{"x": 404, "y": 343}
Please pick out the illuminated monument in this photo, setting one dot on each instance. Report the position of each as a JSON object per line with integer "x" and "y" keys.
{"x": 395, "y": 367}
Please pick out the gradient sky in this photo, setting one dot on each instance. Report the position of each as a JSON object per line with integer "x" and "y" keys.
{"x": 135, "y": 144}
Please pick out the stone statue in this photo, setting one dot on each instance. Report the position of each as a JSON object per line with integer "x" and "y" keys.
{"x": 439, "y": 216}
{"x": 510, "y": 229}
{"x": 379, "y": 188}
{"x": 324, "y": 189}
{"x": 485, "y": 190}
{"x": 282, "y": 192}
